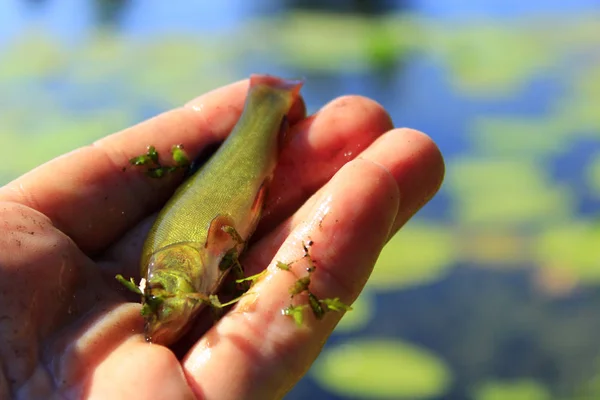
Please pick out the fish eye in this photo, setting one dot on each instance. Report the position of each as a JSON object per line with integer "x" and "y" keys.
{"x": 154, "y": 302}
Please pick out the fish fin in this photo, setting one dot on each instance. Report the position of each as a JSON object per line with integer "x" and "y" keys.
{"x": 287, "y": 85}
{"x": 220, "y": 234}
{"x": 258, "y": 204}
{"x": 259, "y": 200}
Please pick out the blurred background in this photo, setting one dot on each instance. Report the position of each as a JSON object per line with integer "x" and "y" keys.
{"x": 493, "y": 291}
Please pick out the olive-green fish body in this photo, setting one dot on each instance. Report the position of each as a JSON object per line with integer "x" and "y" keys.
{"x": 213, "y": 213}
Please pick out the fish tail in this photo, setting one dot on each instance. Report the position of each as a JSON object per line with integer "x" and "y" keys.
{"x": 290, "y": 86}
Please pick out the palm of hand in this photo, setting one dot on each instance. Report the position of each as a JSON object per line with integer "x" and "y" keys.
{"x": 68, "y": 227}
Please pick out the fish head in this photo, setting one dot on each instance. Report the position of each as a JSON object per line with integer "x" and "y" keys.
{"x": 168, "y": 314}
{"x": 170, "y": 300}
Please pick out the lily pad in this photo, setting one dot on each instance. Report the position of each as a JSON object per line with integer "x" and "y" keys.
{"x": 62, "y": 134}
{"x": 381, "y": 369}
{"x": 354, "y": 43}
{"x": 577, "y": 111}
{"x": 36, "y": 54}
{"x": 418, "y": 253}
{"x": 516, "y": 390}
{"x": 518, "y": 136}
{"x": 201, "y": 65}
{"x": 591, "y": 388}
{"x": 494, "y": 247}
{"x": 571, "y": 247}
{"x": 504, "y": 193}
{"x": 474, "y": 52}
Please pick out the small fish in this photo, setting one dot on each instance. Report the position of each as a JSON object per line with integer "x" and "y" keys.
{"x": 203, "y": 228}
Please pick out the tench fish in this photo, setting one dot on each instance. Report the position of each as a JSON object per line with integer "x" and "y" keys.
{"x": 202, "y": 229}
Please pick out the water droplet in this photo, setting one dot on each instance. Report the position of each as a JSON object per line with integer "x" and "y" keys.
{"x": 198, "y": 107}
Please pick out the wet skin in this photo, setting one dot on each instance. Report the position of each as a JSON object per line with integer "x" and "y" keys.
{"x": 347, "y": 180}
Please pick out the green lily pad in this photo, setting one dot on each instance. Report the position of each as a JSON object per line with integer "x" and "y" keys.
{"x": 591, "y": 388}
{"x": 516, "y": 390}
{"x": 35, "y": 54}
{"x": 201, "y": 65}
{"x": 571, "y": 247}
{"x": 503, "y": 193}
{"x": 418, "y": 253}
{"x": 61, "y": 134}
{"x": 105, "y": 55}
{"x": 381, "y": 369}
{"x": 475, "y": 51}
{"x": 518, "y": 136}
{"x": 577, "y": 112}
{"x": 355, "y": 43}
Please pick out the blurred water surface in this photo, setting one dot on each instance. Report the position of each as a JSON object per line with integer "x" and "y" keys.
{"x": 493, "y": 290}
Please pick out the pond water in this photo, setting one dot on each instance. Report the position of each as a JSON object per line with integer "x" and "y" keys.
{"x": 493, "y": 290}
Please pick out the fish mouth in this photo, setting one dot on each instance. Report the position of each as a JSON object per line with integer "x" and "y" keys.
{"x": 164, "y": 334}
{"x": 171, "y": 320}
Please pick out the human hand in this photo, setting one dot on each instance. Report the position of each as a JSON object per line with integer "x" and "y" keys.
{"x": 347, "y": 180}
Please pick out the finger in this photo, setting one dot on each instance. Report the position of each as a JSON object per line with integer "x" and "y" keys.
{"x": 137, "y": 370}
{"x": 87, "y": 193}
{"x": 413, "y": 160}
{"x": 349, "y": 226}
{"x": 416, "y": 164}
{"x": 318, "y": 147}
{"x": 105, "y": 356}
